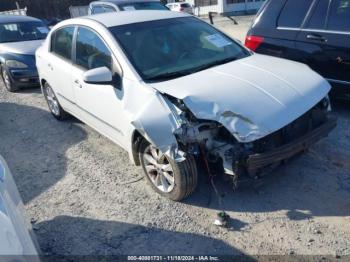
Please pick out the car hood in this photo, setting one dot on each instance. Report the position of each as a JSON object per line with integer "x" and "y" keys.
{"x": 23, "y": 48}
{"x": 251, "y": 97}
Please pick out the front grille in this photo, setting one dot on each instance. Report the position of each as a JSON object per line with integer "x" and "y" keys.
{"x": 298, "y": 128}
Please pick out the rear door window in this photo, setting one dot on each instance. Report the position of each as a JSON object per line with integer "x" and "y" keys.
{"x": 339, "y": 17}
{"x": 61, "y": 42}
{"x": 318, "y": 16}
{"x": 293, "y": 13}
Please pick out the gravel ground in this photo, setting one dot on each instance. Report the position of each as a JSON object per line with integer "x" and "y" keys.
{"x": 83, "y": 197}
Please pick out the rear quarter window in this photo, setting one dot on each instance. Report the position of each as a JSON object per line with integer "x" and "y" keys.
{"x": 293, "y": 13}
{"x": 61, "y": 42}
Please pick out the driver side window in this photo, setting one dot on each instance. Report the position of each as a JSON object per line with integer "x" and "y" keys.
{"x": 91, "y": 51}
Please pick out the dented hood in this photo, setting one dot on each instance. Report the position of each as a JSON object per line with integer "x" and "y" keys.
{"x": 251, "y": 97}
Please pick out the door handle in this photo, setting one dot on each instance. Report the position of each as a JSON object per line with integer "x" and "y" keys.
{"x": 340, "y": 60}
{"x": 316, "y": 37}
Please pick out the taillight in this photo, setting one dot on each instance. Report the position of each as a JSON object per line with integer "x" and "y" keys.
{"x": 253, "y": 42}
{"x": 181, "y": 9}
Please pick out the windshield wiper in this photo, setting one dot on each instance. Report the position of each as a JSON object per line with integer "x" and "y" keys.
{"x": 212, "y": 64}
{"x": 167, "y": 76}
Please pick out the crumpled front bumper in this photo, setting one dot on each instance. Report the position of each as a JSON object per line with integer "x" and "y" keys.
{"x": 257, "y": 162}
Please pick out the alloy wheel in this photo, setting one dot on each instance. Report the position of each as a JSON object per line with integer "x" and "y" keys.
{"x": 52, "y": 100}
{"x": 158, "y": 169}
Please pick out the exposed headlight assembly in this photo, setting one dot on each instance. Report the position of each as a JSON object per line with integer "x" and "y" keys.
{"x": 16, "y": 64}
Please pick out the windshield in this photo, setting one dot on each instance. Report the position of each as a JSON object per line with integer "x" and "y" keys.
{"x": 142, "y": 6}
{"x": 164, "y": 49}
{"x": 23, "y": 31}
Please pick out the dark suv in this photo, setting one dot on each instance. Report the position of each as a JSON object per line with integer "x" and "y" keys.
{"x": 314, "y": 32}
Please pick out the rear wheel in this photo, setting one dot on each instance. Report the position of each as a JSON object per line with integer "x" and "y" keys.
{"x": 174, "y": 180}
{"x": 56, "y": 110}
{"x": 7, "y": 81}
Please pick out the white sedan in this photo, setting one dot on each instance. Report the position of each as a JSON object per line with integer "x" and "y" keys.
{"x": 180, "y": 7}
{"x": 173, "y": 90}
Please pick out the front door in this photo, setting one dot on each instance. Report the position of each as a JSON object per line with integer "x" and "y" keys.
{"x": 99, "y": 105}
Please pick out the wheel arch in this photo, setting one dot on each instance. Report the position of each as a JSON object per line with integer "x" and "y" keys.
{"x": 42, "y": 81}
{"x": 136, "y": 139}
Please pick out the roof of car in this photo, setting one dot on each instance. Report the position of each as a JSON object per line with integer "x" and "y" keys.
{"x": 124, "y": 1}
{"x": 130, "y": 17}
{"x": 17, "y": 18}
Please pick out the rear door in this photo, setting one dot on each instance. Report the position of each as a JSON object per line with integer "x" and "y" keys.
{"x": 311, "y": 40}
{"x": 289, "y": 24}
{"x": 337, "y": 48}
{"x": 278, "y": 24}
{"x": 59, "y": 66}
{"x": 324, "y": 41}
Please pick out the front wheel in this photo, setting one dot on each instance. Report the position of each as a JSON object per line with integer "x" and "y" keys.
{"x": 56, "y": 110}
{"x": 174, "y": 180}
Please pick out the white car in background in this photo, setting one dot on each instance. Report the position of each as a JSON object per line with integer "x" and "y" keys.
{"x": 15, "y": 232}
{"x": 107, "y": 6}
{"x": 171, "y": 89}
{"x": 181, "y": 7}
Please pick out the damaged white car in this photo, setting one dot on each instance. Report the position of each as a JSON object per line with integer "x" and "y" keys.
{"x": 173, "y": 90}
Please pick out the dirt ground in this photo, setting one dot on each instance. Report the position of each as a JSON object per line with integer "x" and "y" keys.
{"x": 83, "y": 197}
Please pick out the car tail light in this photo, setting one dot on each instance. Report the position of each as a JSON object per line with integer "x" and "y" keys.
{"x": 253, "y": 42}
{"x": 181, "y": 9}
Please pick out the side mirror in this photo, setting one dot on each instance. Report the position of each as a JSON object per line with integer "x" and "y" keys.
{"x": 98, "y": 76}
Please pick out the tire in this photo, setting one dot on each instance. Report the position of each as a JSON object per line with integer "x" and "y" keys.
{"x": 55, "y": 108}
{"x": 7, "y": 81}
{"x": 181, "y": 179}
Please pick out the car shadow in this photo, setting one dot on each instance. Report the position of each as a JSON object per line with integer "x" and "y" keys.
{"x": 83, "y": 236}
{"x": 35, "y": 151}
{"x": 30, "y": 90}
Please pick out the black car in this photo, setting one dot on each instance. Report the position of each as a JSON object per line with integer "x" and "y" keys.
{"x": 20, "y": 36}
{"x": 314, "y": 32}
